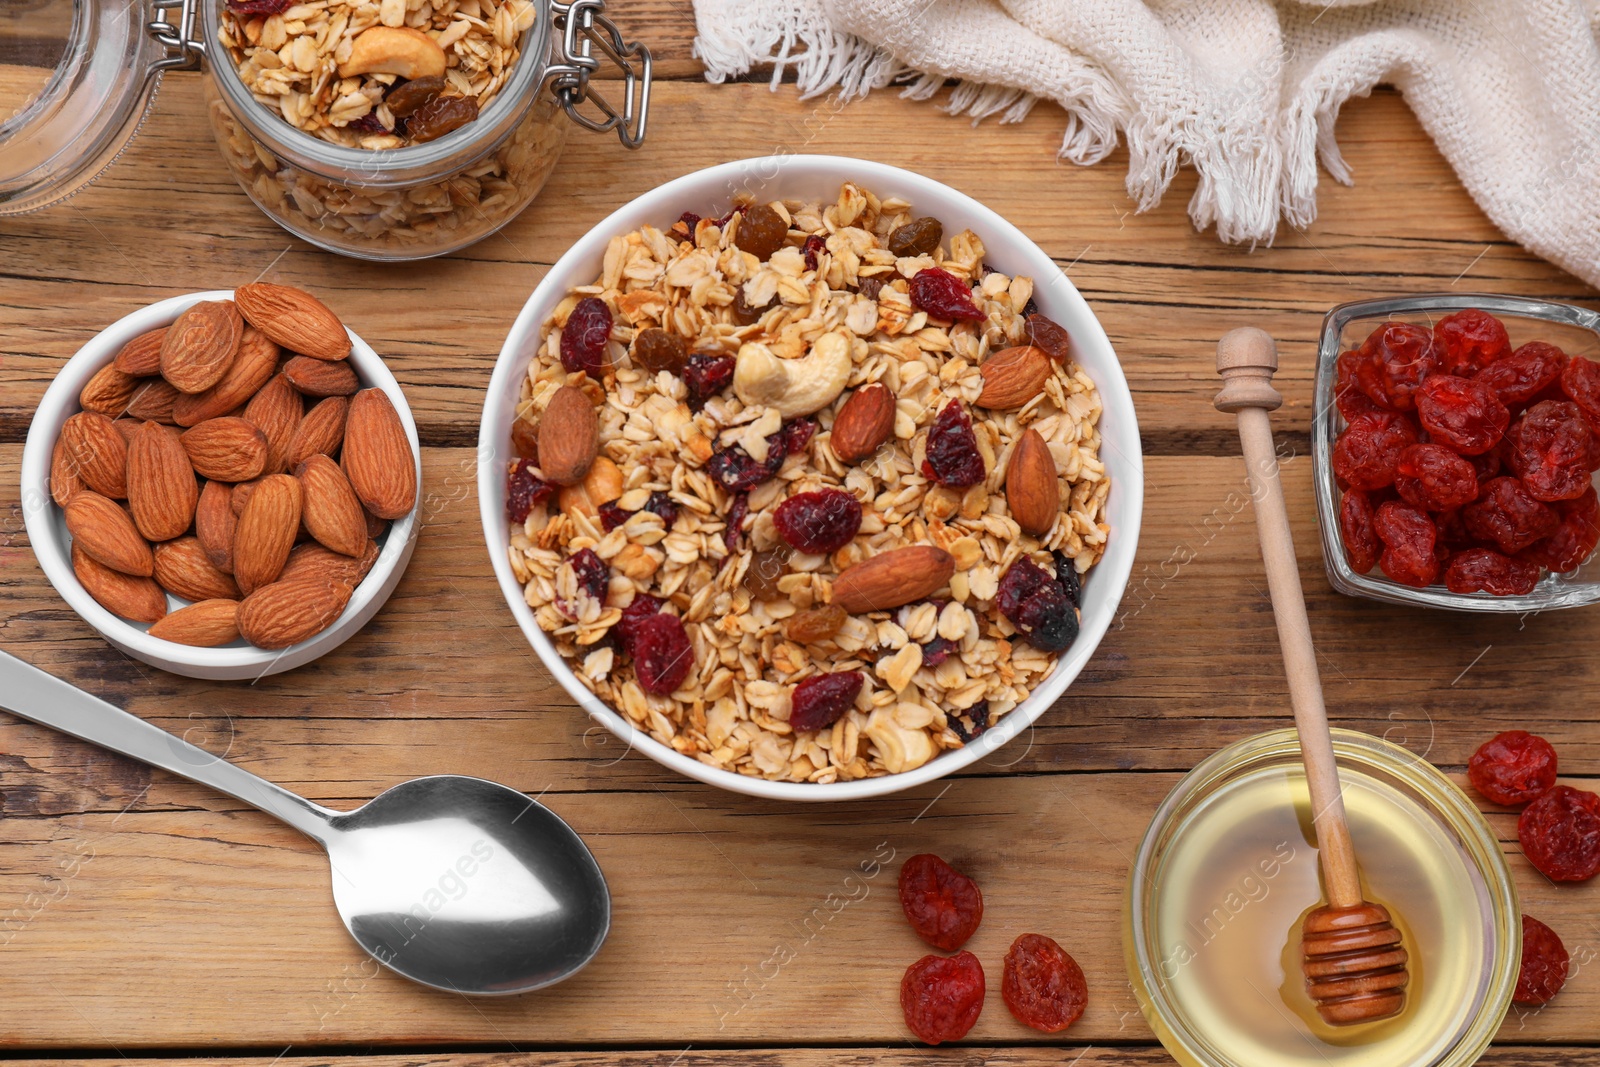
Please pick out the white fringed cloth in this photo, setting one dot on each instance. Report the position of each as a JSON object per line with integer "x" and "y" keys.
{"x": 1247, "y": 91}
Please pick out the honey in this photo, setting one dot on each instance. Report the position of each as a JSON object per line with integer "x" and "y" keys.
{"x": 1224, "y": 887}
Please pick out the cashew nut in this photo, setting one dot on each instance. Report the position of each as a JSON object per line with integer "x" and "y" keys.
{"x": 398, "y": 50}
{"x": 794, "y": 387}
{"x": 899, "y": 748}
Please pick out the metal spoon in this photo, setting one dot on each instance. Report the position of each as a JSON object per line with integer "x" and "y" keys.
{"x": 454, "y": 882}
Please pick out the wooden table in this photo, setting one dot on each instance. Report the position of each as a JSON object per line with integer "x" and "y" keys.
{"x": 154, "y": 918}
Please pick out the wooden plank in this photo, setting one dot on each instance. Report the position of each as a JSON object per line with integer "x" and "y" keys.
{"x": 736, "y": 921}
{"x": 1164, "y": 292}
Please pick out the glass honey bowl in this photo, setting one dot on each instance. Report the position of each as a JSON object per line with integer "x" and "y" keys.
{"x": 1228, "y": 869}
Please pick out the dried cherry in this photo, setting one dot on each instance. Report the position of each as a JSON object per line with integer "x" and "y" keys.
{"x": 1365, "y": 455}
{"x": 1483, "y": 570}
{"x": 762, "y": 231}
{"x": 525, "y": 490}
{"x": 1397, "y": 357}
{"x": 942, "y": 996}
{"x": 1409, "y": 538}
{"x": 820, "y": 522}
{"x": 944, "y": 296}
{"x": 1574, "y": 539}
{"x": 942, "y": 905}
{"x": 1560, "y": 834}
{"x": 1513, "y": 768}
{"x": 1434, "y": 478}
{"x": 656, "y": 349}
{"x": 706, "y": 376}
{"x": 1508, "y": 517}
{"x": 952, "y": 456}
{"x": 1548, "y": 448}
{"x": 1361, "y": 543}
{"x": 1049, "y": 337}
{"x": 1461, "y": 413}
{"x": 1347, "y": 395}
{"x": 822, "y": 700}
{"x": 1470, "y": 340}
{"x": 584, "y": 337}
{"x": 662, "y": 654}
{"x": 919, "y": 237}
{"x": 439, "y": 116}
{"x": 1545, "y": 964}
{"x": 1524, "y": 374}
{"x": 1042, "y": 985}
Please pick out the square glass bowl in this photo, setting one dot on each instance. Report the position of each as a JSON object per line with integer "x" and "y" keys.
{"x": 1575, "y": 330}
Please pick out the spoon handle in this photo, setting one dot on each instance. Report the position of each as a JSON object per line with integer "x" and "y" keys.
{"x": 30, "y": 693}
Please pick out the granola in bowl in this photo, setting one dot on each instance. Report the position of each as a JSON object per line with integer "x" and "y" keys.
{"x": 806, "y": 491}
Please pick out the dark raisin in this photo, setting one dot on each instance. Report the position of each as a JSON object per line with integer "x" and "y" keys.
{"x": 764, "y": 571}
{"x": 821, "y": 522}
{"x": 814, "y": 246}
{"x": 762, "y": 231}
{"x": 952, "y": 457}
{"x": 584, "y": 337}
{"x": 943, "y": 295}
{"x": 1047, "y": 336}
{"x": 919, "y": 237}
{"x": 657, "y": 350}
{"x": 662, "y": 654}
{"x": 1067, "y": 575}
{"x": 525, "y": 490}
{"x": 872, "y": 285}
{"x": 439, "y": 116}
{"x": 406, "y": 98}
{"x": 368, "y": 123}
{"x": 971, "y": 723}
{"x": 823, "y": 699}
{"x": 706, "y": 376}
{"x": 743, "y": 313}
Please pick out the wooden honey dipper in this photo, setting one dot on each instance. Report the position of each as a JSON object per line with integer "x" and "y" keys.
{"x": 1354, "y": 963}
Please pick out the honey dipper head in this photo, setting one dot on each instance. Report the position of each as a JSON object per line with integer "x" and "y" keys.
{"x": 1355, "y": 964}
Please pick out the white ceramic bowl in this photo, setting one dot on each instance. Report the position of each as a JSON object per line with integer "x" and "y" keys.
{"x": 709, "y": 192}
{"x": 47, "y": 528}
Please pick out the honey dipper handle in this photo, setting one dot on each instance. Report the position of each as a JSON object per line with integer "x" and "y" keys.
{"x": 1246, "y": 359}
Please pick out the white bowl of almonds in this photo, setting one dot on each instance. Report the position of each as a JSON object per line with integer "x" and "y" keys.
{"x": 792, "y": 487}
{"x": 224, "y": 484}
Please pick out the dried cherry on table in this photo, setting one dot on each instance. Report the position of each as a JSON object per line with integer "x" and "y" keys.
{"x": 1560, "y": 834}
{"x": 942, "y": 996}
{"x": 1434, "y": 478}
{"x": 1470, "y": 340}
{"x": 1524, "y": 374}
{"x": 1461, "y": 413}
{"x": 1545, "y": 964}
{"x": 1409, "y": 538}
{"x": 943, "y": 905}
{"x": 1549, "y": 449}
{"x": 1042, "y": 985}
{"x": 1394, "y": 360}
{"x": 1483, "y": 570}
{"x": 1361, "y": 543}
{"x": 1574, "y": 539}
{"x": 1506, "y": 515}
{"x": 1513, "y": 768}
{"x": 1366, "y": 454}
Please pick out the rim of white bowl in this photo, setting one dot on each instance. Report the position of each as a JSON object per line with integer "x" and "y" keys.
{"x": 51, "y": 546}
{"x": 1118, "y": 423}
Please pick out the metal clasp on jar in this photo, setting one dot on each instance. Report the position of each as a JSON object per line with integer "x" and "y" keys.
{"x": 181, "y": 39}
{"x": 584, "y": 29}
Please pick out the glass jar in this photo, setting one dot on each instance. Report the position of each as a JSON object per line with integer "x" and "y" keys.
{"x": 1228, "y": 869}
{"x": 87, "y": 82}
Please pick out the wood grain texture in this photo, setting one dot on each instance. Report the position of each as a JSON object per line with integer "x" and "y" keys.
{"x": 141, "y": 912}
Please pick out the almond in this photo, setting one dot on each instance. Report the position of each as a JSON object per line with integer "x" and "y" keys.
{"x": 321, "y": 377}
{"x": 253, "y": 366}
{"x": 893, "y": 578}
{"x": 331, "y": 512}
{"x": 276, "y": 411}
{"x": 101, "y": 528}
{"x": 313, "y": 560}
{"x": 183, "y": 569}
{"x": 377, "y": 456}
{"x": 214, "y": 523}
{"x": 141, "y": 357}
{"x": 865, "y": 422}
{"x": 200, "y": 346}
{"x": 227, "y": 449}
{"x": 204, "y": 625}
{"x": 285, "y": 613}
{"x": 1033, "y": 490}
{"x": 162, "y": 492}
{"x": 1012, "y": 377}
{"x": 266, "y": 532}
{"x": 108, "y": 392}
{"x": 569, "y": 436}
{"x": 153, "y": 400}
{"x": 375, "y": 525}
{"x": 127, "y": 595}
{"x": 294, "y": 318}
{"x": 98, "y": 453}
{"x": 321, "y": 431}
{"x": 64, "y": 481}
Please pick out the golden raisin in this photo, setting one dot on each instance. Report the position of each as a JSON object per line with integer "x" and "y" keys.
{"x": 919, "y": 237}
{"x": 656, "y": 350}
{"x": 525, "y": 440}
{"x": 762, "y": 231}
{"x": 765, "y": 570}
{"x": 815, "y": 624}
{"x": 404, "y": 100}
{"x": 439, "y": 116}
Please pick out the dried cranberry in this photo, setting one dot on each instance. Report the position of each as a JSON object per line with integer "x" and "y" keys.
{"x": 1049, "y": 337}
{"x": 937, "y": 651}
{"x": 1461, "y": 413}
{"x": 643, "y": 606}
{"x": 944, "y": 296}
{"x": 1409, "y": 538}
{"x": 1365, "y": 455}
{"x": 821, "y": 522}
{"x": 736, "y": 471}
{"x": 978, "y": 715}
{"x": 1548, "y": 449}
{"x": 1560, "y": 834}
{"x": 796, "y": 436}
{"x": 762, "y": 231}
{"x": 815, "y": 245}
{"x": 1507, "y": 516}
{"x": 1361, "y": 543}
{"x": 368, "y": 123}
{"x": 1470, "y": 340}
{"x": 1042, "y": 985}
{"x": 737, "y": 511}
{"x": 919, "y": 237}
{"x": 1545, "y": 964}
{"x": 688, "y": 220}
{"x": 942, "y": 905}
{"x": 525, "y": 490}
{"x": 1513, "y": 768}
{"x": 1434, "y": 478}
{"x": 612, "y": 516}
{"x": 1397, "y": 357}
{"x": 1020, "y": 581}
{"x": 662, "y": 654}
{"x": 1037, "y": 606}
{"x": 706, "y": 376}
{"x": 1525, "y": 373}
{"x": 584, "y": 337}
{"x": 821, "y": 700}
{"x": 593, "y": 576}
{"x": 1483, "y": 570}
{"x": 661, "y": 504}
{"x": 259, "y": 8}
{"x": 1574, "y": 539}
{"x": 952, "y": 456}
{"x": 942, "y": 996}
